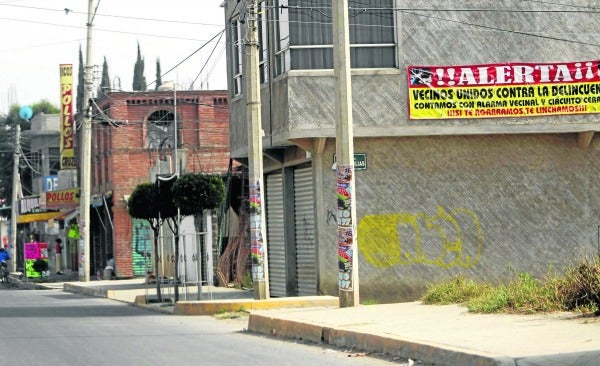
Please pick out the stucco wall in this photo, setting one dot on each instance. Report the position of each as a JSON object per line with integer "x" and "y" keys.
{"x": 504, "y": 204}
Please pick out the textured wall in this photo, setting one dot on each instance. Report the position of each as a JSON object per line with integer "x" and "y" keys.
{"x": 484, "y": 206}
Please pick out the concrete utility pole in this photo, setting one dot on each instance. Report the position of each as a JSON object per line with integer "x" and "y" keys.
{"x": 86, "y": 156}
{"x": 15, "y": 200}
{"x": 346, "y": 239}
{"x": 258, "y": 238}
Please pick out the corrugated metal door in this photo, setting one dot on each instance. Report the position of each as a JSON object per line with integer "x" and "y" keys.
{"x": 304, "y": 213}
{"x": 276, "y": 235}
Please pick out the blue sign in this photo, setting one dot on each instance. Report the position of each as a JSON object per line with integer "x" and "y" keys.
{"x": 50, "y": 183}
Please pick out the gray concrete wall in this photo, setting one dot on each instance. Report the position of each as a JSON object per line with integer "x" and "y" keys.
{"x": 488, "y": 207}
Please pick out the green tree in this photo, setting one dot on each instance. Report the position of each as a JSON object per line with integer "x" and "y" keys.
{"x": 158, "y": 74}
{"x": 105, "y": 81}
{"x": 80, "y": 85}
{"x": 143, "y": 204}
{"x": 193, "y": 193}
{"x": 44, "y": 106}
{"x": 139, "y": 81}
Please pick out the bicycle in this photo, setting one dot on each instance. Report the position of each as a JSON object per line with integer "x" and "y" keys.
{"x": 4, "y": 278}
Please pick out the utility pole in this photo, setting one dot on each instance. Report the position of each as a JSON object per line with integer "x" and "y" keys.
{"x": 346, "y": 238}
{"x": 258, "y": 238}
{"x": 15, "y": 199}
{"x": 86, "y": 156}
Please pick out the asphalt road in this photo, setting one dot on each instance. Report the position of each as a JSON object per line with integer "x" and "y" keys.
{"x": 50, "y": 327}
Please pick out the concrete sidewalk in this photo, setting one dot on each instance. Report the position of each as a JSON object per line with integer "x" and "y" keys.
{"x": 443, "y": 335}
{"x": 439, "y": 335}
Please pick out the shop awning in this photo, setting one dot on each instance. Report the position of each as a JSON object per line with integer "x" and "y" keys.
{"x": 67, "y": 215}
{"x": 45, "y": 216}
{"x": 37, "y": 217}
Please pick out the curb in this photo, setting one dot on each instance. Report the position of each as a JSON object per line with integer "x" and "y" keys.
{"x": 211, "y": 307}
{"x": 371, "y": 343}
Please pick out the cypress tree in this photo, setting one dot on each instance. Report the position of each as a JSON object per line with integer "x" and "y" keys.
{"x": 80, "y": 84}
{"x": 139, "y": 81}
{"x": 105, "y": 82}
{"x": 158, "y": 76}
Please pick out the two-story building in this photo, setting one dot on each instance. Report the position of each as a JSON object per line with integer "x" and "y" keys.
{"x": 474, "y": 136}
{"x": 135, "y": 135}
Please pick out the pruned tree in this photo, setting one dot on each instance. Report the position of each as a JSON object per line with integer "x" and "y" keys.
{"x": 193, "y": 193}
{"x": 169, "y": 213}
{"x": 144, "y": 204}
{"x": 139, "y": 81}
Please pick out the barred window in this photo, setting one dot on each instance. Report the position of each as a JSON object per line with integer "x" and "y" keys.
{"x": 161, "y": 130}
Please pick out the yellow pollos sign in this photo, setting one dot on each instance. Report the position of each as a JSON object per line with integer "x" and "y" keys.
{"x": 487, "y": 91}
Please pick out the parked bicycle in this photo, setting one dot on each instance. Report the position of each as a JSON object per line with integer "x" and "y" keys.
{"x": 4, "y": 272}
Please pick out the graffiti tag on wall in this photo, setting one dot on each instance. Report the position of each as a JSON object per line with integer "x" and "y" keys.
{"x": 445, "y": 240}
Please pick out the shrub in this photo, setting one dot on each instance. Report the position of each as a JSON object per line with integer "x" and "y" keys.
{"x": 457, "y": 290}
{"x": 581, "y": 286}
{"x": 524, "y": 294}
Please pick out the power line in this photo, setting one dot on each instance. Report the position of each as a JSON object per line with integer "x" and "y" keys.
{"x": 100, "y": 29}
{"x": 112, "y": 15}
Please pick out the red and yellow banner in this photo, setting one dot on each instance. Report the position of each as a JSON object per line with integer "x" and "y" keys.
{"x": 62, "y": 198}
{"x": 67, "y": 147}
{"x": 503, "y": 90}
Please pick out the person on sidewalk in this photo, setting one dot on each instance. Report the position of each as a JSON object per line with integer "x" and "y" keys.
{"x": 58, "y": 250}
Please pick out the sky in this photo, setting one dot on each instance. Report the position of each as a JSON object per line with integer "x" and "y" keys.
{"x": 36, "y": 36}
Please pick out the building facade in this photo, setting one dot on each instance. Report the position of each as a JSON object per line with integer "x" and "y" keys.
{"x": 38, "y": 219}
{"x": 449, "y": 181}
{"x": 136, "y": 137}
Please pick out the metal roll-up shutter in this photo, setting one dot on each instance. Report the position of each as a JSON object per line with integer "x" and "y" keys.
{"x": 304, "y": 213}
{"x": 275, "y": 235}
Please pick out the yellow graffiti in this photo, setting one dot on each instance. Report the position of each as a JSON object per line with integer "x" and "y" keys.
{"x": 399, "y": 239}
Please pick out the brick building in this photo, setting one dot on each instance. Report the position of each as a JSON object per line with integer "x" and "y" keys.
{"x": 133, "y": 140}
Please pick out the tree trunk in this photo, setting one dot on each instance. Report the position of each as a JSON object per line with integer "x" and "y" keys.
{"x": 176, "y": 232}
{"x": 156, "y": 265}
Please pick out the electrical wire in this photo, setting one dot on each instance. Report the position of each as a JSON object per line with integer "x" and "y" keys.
{"x": 208, "y": 59}
{"x": 113, "y": 15}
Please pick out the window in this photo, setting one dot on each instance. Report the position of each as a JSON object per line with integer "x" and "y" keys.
{"x": 161, "y": 130}
{"x": 304, "y": 36}
{"x": 54, "y": 160}
{"x": 237, "y": 54}
{"x": 263, "y": 49}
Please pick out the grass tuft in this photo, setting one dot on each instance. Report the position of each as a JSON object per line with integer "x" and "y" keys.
{"x": 578, "y": 289}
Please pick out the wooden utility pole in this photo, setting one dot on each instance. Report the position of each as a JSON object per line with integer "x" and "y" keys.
{"x": 347, "y": 246}
{"x": 258, "y": 238}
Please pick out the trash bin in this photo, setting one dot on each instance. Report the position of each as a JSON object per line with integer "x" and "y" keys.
{"x": 107, "y": 274}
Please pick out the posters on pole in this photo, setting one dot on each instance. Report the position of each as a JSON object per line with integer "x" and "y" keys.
{"x": 503, "y": 90}
{"x": 345, "y": 237}
{"x": 256, "y": 237}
